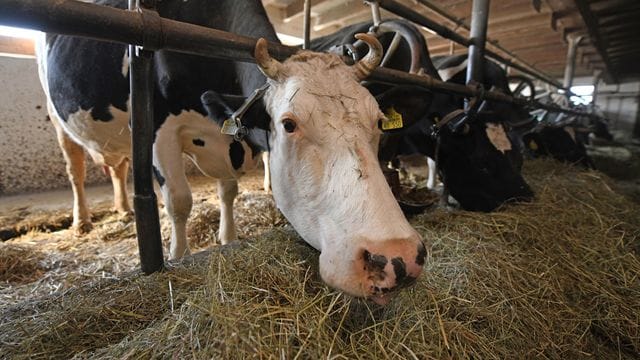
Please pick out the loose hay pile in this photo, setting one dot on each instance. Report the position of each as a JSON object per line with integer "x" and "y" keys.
{"x": 556, "y": 278}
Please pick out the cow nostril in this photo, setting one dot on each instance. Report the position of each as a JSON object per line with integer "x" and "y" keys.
{"x": 374, "y": 262}
{"x": 399, "y": 269}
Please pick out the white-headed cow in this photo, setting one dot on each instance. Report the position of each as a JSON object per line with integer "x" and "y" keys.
{"x": 322, "y": 132}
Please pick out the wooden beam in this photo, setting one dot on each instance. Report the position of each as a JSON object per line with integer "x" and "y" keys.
{"x": 559, "y": 15}
{"x": 592, "y": 25}
{"x": 338, "y": 13}
{"x": 294, "y": 11}
{"x": 16, "y": 46}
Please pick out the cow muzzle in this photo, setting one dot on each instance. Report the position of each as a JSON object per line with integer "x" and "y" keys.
{"x": 390, "y": 266}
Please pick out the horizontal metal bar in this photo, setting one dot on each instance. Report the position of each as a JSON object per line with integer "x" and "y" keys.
{"x": 409, "y": 14}
{"x": 461, "y": 23}
{"x": 71, "y": 17}
{"x": 391, "y": 76}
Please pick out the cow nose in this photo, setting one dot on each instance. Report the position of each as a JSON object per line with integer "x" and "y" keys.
{"x": 392, "y": 266}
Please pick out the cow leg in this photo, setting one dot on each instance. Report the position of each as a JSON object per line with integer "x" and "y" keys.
{"x": 227, "y": 191}
{"x": 74, "y": 156}
{"x": 267, "y": 171}
{"x": 169, "y": 172}
{"x": 119, "y": 180}
{"x": 431, "y": 180}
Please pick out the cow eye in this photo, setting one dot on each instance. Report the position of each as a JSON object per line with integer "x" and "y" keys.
{"x": 289, "y": 125}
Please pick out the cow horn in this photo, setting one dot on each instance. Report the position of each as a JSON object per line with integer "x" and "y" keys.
{"x": 269, "y": 66}
{"x": 366, "y": 65}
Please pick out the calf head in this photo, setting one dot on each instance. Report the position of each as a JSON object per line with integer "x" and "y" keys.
{"x": 325, "y": 175}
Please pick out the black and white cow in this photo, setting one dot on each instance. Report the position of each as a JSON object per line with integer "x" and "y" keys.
{"x": 557, "y": 142}
{"x": 563, "y": 136}
{"x": 477, "y": 173}
{"x": 506, "y": 122}
{"x": 322, "y": 130}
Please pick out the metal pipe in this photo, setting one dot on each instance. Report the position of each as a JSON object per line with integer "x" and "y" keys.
{"x": 409, "y": 14}
{"x": 70, "y": 17}
{"x": 477, "y": 40}
{"x": 461, "y": 23}
{"x": 307, "y": 24}
{"x": 569, "y": 69}
{"x": 395, "y": 77}
{"x": 597, "y": 75}
{"x": 375, "y": 12}
{"x": 144, "y": 199}
{"x": 103, "y": 23}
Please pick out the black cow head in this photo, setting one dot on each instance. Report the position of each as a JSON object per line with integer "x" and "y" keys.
{"x": 479, "y": 176}
{"x": 558, "y": 143}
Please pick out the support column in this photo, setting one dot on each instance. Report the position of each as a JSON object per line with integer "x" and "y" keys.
{"x": 597, "y": 75}
{"x": 144, "y": 200}
{"x": 479, "y": 19}
{"x": 569, "y": 69}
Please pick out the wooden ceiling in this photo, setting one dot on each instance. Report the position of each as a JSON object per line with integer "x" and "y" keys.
{"x": 534, "y": 31}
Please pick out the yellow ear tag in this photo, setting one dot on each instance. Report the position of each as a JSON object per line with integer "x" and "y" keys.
{"x": 229, "y": 127}
{"x": 393, "y": 120}
{"x": 533, "y": 146}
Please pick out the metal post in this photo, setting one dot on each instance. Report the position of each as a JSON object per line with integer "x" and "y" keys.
{"x": 144, "y": 200}
{"x": 571, "y": 61}
{"x": 411, "y": 15}
{"x": 479, "y": 19}
{"x": 597, "y": 75}
{"x": 307, "y": 24}
{"x": 636, "y": 127}
{"x": 375, "y": 12}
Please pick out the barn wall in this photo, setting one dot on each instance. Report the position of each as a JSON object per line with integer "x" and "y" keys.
{"x": 30, "y": 159}
{"x": 621, "y": 108}
{"x": 619, "y": 103}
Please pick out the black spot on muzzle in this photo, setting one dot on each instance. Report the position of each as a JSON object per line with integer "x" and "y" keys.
{"x": 374, "y": 262}
{"x": 400, "y": 269}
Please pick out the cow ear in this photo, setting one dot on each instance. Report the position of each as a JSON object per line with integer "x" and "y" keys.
{"x": 409, "y": 104}
{"x": 215, "y": 106}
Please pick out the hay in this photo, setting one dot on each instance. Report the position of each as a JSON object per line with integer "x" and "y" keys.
{"x": 19, "y": 264}
{"x": 555, "y": 278}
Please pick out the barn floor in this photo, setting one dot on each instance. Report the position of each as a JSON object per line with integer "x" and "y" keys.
{"x": 557, "y": 278}
{"x": 41, "y": 254}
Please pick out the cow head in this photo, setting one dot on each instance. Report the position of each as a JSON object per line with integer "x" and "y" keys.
{"x": 326, "y": 178}
{"x": 479, "y": 173}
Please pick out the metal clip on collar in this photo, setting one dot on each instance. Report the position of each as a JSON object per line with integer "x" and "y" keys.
{"x": 241, "y": 130}
{"x": 458, "y": 124}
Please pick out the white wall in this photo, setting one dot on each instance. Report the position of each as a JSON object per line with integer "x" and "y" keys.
{"x": 30, "y": 159}
{"x": 621, "y": 109}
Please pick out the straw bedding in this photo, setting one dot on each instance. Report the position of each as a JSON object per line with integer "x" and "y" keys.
{"x": 555, "y": 278}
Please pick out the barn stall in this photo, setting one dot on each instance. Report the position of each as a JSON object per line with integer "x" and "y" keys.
{"x": 554, "y": 278}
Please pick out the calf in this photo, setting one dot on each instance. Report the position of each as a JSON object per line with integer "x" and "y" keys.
{"x": 321, "y": 130}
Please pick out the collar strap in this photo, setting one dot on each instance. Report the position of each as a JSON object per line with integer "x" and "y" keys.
{"x": 233, "y": 126}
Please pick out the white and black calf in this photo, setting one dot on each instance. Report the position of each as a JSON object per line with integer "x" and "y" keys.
{"x": 323, "y": 135}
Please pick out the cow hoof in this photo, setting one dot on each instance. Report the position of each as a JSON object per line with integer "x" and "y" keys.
{"x": 83, "y": 228}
